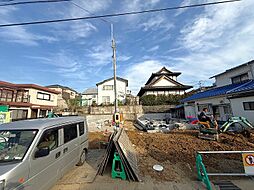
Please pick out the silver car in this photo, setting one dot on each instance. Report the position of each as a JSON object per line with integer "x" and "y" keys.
{"x": 34, "y": 154}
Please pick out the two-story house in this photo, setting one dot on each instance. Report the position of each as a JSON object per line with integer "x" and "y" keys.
{"x": 27, "y": 100}
{"x": 232, "y": 95}
{"x": 106, "y": 91}
{"x": 65, "y": 93}
{"x": 89, "y": 97}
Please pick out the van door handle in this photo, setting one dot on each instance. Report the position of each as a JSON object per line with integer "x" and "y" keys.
{"x": 58, "y": 154}
{"x": 65, "y": 150}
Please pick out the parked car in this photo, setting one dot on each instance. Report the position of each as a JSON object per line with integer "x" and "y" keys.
{"x": 35, "y": 154}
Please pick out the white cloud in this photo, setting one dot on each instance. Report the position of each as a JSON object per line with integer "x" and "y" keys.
{"x": 135, "y": 5}
{"x": 75, "y": 31}
{"x": 62, "y": 63}
{"x": 154, "y": 48}
{"x": 19, "y": 34}
{"x": 157, "y": 22}
{"x": 219, "y": 38}
{"x": 184, "y": 3}
{"x": 22, "y": 36}
{"x": 138, "y": 73}
{"x": 123, "y": 58}
{"x": 100, "y": 55}
{"x": 94, "y": 7}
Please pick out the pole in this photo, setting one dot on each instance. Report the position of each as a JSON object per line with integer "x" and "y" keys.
{"x": 114, "y": 66}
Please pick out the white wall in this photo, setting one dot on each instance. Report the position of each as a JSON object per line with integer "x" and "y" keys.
{"x": 215, "y": 101}
{"x": 164, "y": 82}
{"x": 190, "y": 110}
{"x": 121, "y": 91}
{"x": 88, "y": 99}
{"x": 34, "y": 100}
{"x": 225, "y": 79}
{"x": 238, "y": 109}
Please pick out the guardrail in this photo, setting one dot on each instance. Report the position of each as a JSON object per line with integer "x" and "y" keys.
{"x": 248, "y": 163}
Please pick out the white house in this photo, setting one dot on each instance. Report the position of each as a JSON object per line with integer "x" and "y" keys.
{"x": 233, "y": 95}
{"x": 106, "y": 90}
{"x": 163, "y": 82}
{"x": 89, "y": 96}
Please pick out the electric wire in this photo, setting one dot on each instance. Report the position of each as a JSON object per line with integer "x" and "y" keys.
{"x": 116, "y": 14}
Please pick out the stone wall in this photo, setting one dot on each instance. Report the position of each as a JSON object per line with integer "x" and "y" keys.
{"x": 129, "y": 112}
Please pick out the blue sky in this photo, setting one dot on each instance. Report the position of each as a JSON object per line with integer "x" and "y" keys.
{"x": 198, "y": 42}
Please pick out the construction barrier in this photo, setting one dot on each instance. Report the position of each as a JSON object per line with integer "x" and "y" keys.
{"x": 248, "y": 164}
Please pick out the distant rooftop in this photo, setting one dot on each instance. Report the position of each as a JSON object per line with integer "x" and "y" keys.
{"x": 90, "y": 91}
{"x": 245, "y": 64}
{"x": 60, "y": 86}
{"x": 35, "y": 86}
{"x": 118, "y": 78}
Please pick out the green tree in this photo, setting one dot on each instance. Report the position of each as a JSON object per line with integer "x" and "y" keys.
{"x": 73, "y": 104}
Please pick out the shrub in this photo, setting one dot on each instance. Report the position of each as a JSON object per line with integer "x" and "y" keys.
{"x": 151, "y": 100}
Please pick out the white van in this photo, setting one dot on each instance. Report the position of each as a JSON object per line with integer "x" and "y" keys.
{"x": 34, "y": 154}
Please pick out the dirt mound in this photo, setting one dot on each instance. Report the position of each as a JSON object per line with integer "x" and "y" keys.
{"x": 176, "y": 151}
{"x": 96, "y": 139}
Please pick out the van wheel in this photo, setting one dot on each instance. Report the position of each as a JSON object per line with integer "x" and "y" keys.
{"x": 82, "y": 158}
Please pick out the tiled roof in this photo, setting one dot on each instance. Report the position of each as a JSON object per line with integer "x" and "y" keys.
{"x": 112, "y": 78}
{"x": 248, "y": 86}
{"x": 90, "y": 91}
{"x": 228, "y": 89}
{"x": 35, "y": 86}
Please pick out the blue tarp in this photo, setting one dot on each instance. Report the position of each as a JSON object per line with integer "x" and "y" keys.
{"x": 228, "y": 89}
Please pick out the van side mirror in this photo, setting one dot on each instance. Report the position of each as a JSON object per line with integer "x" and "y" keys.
{"x": 44, "y": 151}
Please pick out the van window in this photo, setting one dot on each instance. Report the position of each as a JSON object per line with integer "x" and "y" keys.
{"x": 15, "y": 143}
{"x": 81, "y": 128}
{"x": 49, "y": 139}
{"x": 70, "y": 132}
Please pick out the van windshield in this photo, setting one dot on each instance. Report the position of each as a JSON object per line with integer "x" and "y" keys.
{"x": 14, "y": 144}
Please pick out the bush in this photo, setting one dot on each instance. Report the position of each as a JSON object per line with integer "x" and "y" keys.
{"x": 171, "y": 99}
{"x": 148, "y": 100}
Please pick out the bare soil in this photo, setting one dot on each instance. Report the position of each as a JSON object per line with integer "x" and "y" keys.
{"x": 176, "y": 152}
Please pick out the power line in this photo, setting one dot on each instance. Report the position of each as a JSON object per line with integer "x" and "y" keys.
{"x": 117, "y": 14}
{"x": 104, "y": 20}
{"x": 32, "y": 2}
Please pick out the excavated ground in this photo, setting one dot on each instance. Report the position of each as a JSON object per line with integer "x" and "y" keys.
{"x": 176, "y": 152}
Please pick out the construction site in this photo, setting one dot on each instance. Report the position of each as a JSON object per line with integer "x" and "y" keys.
{"x": 175, "y": 151}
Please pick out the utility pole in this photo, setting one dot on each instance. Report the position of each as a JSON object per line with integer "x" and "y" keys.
{"x": 114, "y": 66}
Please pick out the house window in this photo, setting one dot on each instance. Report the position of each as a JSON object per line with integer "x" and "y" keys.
{"x": 107, "y": 87}
{"x": 6, "y": 95}
{"x": 240, "y": 78}
{"x": 105, "y": 99}
{"x": 202, "y": 106}
{"x": 248, "y": 106}
{"x": 43, "y": 96}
